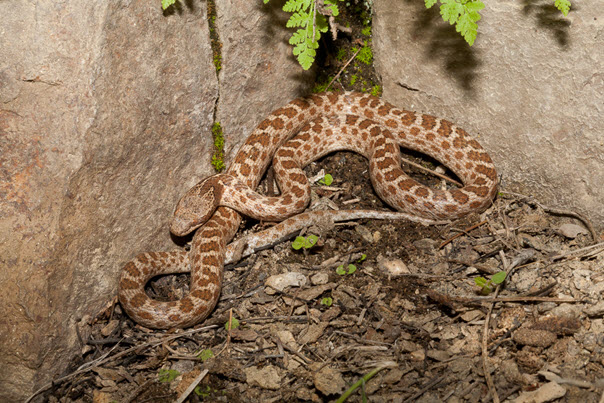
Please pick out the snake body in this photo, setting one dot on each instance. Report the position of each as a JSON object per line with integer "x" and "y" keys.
{"x": 297, "y": 134}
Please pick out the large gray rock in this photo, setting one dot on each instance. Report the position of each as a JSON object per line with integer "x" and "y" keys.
{"x": 531, "y": 89}
{"x": 105, "y": 117}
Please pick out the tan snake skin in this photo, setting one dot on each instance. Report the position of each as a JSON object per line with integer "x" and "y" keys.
{"x": 321, "y": 124}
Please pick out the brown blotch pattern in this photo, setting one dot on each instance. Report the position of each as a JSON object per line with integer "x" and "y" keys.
{"x": 428, "y": 122}
{"x": 408, "y": 118}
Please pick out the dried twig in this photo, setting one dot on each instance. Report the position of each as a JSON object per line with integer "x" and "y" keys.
{"x": 464, "y": 231}
{"x": 342, "y": 69}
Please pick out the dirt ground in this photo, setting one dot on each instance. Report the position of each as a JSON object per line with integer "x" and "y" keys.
{"x": 407, "y": 325}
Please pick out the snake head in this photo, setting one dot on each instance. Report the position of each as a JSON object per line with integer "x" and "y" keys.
{"x": 196, "y": 206}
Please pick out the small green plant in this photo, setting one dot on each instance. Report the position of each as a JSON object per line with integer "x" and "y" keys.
{"x": 205, "y": 355}
{"x": 326, "y": 180}
{"x": 327, "y": 301}
{"x": 353, "y": 79}
{"x": 366, "y": 31}
{"x": 344, "y": 271}
{"x": 322, "y": 86}
{"x": 341, "y": 54}
{"x": 201, "y": 392}
{"x": 486, "y": 285}
{"x": 304, "y": 242}
{"x": 310, "y": 20}
{"x": 217, "y": 62}
{"x": 376, "y": 90}
{"x": 365, "y": 55}
{"x": 217, "y": 158}
{"x": 363, "y": 257}
{"x": 234, "y": 324}
{"x": 167, "y": 375}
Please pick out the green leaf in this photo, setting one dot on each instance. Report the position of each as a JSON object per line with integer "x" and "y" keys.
{"x": 298, "y": 19}
{"x": 327, "y": 301}
{"x": 311, "y": 240}
{"x": 498, "y": 278}
{"x": 295, "y": 5}
{"x": 474, "y": 6}
{"x": 167, "y": 375}
{"x": 563, "y": 6}
{"x": 363, "y": 257}
{"x": 467, "y": 28}
{"x": 167, "y": 3}
{"x": 480, "y": 281}
{"x": 450, "y": 11}
{"x": 299, "y": 242}
{"x": 333, "y": 6}
{"x": 430, "y": 3}
{"x": 306, "y": 243}
{"x": 234, "y": 324}
{"x": 205, "y": 355}
{"x": 326, "y": 180}
{"x": 351, "y": 268}
{"x": 340, "y": 270}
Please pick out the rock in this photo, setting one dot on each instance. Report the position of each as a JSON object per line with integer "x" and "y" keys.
{"x": 393, "y": 267}
{"x": 280, "y": 282}
{"x": 319, "y": 278}
{"x": 534, "y": 337}
{"x": 329, "y": 381}
{"x": 268, "y": 377}
{"x": 546, "y": 393}
{"x": 571, "y": 230}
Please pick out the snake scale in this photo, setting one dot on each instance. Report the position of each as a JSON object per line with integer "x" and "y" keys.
{"x": 292, "y": 137}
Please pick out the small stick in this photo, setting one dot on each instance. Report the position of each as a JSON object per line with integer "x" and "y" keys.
{"x": 342, "y": 69}
{"x": 432, "y": 172}
{"x": 462, "y": 233}
{"x": 192, "y": 386}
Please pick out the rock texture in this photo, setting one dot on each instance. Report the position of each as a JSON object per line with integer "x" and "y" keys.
{"x": 105, "y": 117}
{"x": 531, "y": 89}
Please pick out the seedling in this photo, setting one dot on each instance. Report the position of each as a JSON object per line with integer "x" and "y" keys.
{"x": 327, "y": 301}
{"x": 234, "y": 324}
{"x": 167, "y": 375}
{"x": 206, "y": 354}
{"x": 348, "y": 270}
{"x": 485, "y": 284}
{"x": 326, "y": 180}
{"x": 304, "y": 242}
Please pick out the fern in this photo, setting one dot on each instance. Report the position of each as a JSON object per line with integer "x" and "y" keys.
{"x": 311, "y": 23}
{"x": 464, "y": 14}
{"x": 167, "y": 3}
{"x": 563, "y": 6}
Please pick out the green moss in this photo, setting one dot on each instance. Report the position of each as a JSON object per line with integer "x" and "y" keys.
{"x": 214, "y": 37}
{"x": 217, "y": 62}
{"x": 366, "y": 31}
{"x": 321, "y": 86}
{"x": 341, "y": 54}
{"x": 217, "y": 158}
{"x": 353, "y": 79}
{"x": 376, "y": 90}
{"x": 366, "y": 54}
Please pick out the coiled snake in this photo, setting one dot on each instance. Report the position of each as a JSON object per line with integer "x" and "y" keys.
{"x": 321, "y": 124}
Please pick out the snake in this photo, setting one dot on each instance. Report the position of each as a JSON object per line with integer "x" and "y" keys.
{"x": 291, "y": 137}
